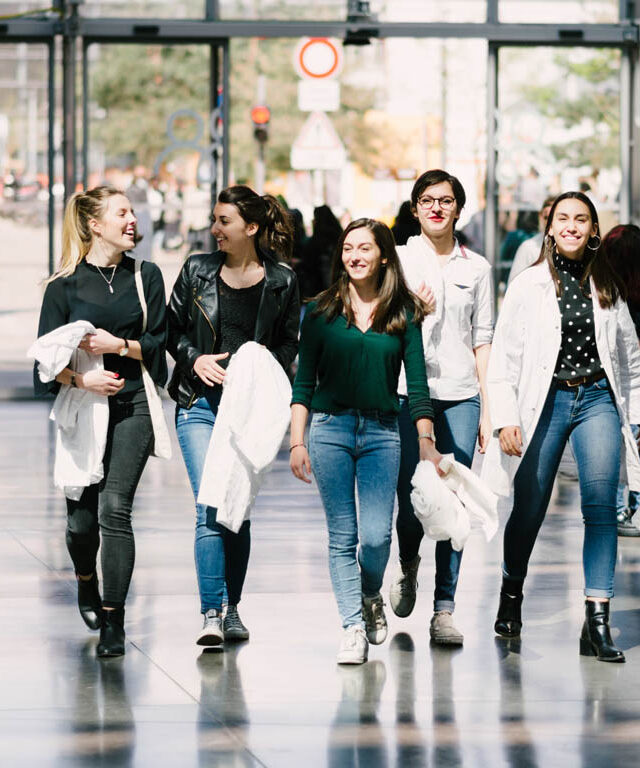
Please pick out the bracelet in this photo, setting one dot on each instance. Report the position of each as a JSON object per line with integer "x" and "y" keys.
{"x": 427, "y": 436}
{"x": 297, "y": 445}
{"x": 73, "y": 382}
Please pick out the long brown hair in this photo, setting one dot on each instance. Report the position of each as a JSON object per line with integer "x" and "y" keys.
{"x": 395, "y": 300}
{"x": 77, "y": 236}
{"x": 275, "y": 224}
{"x": 597, "y": 266}
{"x": 621, "y": 248}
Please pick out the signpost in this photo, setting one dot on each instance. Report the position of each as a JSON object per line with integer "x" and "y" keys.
{"x": 318, "y": 146}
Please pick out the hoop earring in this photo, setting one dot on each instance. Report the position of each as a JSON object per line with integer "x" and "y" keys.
{"x": 595, "y": 247}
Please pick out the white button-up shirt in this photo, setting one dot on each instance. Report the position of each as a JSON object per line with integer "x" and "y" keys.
{"x": 464, "y": 321}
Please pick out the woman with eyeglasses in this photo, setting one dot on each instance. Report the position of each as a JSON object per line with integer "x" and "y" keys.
{"x": 456, "y": 283}
{"x": 565, "y": 366}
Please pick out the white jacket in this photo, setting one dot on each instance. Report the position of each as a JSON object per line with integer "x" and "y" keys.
{"x": 450, "y": 506}
{"x": 81, "y": 417}
{"x": 250, "y": 426}
{"x": 523, "y": 357}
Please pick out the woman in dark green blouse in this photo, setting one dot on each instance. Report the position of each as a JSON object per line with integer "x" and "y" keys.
{"x": 355, "y": 338}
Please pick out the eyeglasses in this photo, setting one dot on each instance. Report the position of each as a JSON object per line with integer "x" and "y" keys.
{"x": 446, "y": 203}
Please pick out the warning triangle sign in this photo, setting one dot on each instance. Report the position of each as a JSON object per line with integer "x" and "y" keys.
{"x": 318, "y": 146}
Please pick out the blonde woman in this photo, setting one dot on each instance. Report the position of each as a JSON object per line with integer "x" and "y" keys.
{"x": 96, "y": 282}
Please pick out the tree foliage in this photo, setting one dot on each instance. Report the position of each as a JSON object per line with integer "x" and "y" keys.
{"x": 586, "y": 94}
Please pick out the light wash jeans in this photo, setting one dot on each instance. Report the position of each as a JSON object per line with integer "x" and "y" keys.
{"x": 221, "y": 556}
{"x": 587, "y": 417}
{"x": 455, "y": 425}
{"x": 348, "y": 450}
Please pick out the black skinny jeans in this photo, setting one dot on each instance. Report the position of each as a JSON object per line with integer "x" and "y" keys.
{"x": 104, "y": 509}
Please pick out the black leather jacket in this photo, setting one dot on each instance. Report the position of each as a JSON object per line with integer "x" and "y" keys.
{"x": 193, "y": 316}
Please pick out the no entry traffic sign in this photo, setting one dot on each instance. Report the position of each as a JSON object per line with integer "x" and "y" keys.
{"x": 316, "y": 58}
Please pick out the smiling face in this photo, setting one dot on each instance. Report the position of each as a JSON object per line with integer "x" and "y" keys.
{"x": 117, "y": 225}
{"x": 361, "y": 256}
{"x": 572, "y": 227}
{"x": 230, "y": 230}
{"x": 437, "y": 210}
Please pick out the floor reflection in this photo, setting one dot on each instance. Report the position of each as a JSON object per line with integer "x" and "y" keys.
{"x": 103, "y": 729}
{"x": 223, "y": 717}
{"x": 357, "y": 739}
{"x": 446, "y": 749}
{"x": 517, "y": 742}
{"x": 410, "y": 741}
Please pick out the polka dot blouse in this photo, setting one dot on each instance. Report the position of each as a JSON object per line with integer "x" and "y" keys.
{"x": 578, "y": 352}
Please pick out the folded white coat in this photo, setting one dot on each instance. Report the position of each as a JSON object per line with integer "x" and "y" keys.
{"x": 81, "y": 417}
{"x": 449, "y": 506}
{"x": 251, "y": 423}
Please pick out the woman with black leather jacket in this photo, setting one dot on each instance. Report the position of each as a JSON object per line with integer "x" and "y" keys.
{"x": 243, "y": 292}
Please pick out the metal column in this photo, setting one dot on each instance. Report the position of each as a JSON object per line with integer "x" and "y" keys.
{"x": 69, "y": 101}
{"x": 491, "y": 192}
{"x": 51, "y": 150}
{"x": 626, "y": 133}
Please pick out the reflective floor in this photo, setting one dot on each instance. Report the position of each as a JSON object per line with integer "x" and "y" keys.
{"x": 280, "y": 700}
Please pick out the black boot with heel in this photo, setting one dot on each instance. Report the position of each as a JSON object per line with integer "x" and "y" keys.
{"x": 112, "y": 633}
{"x": 595, "y": 639}
{"x": 509, "y": 619}
{"x": 89, "y": 601}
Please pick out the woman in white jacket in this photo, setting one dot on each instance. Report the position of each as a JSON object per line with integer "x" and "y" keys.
{"x": 564, "y": 366}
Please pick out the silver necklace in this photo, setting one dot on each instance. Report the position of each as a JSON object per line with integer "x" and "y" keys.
{"x": 108, "y": 282}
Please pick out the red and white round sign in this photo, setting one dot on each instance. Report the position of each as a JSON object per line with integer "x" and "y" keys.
{"x": 316, "y": 58}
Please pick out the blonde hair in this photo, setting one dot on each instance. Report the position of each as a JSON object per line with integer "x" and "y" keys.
{"x": 77, "y": 236}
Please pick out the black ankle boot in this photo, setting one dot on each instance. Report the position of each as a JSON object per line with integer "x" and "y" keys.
{"x": 509, "y": 620}
{"x": 89, "y": 601}
{"x": 595, "y": 639}
{"x": 112, "y": 633}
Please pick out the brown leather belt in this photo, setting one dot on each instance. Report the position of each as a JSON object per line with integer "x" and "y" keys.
{"x": 581, "y": 381}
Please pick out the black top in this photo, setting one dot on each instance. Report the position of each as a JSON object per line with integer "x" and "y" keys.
{"x": 578, "y": 351}
{"x": 85, "y": 295}
{"x": 238, "y": 315}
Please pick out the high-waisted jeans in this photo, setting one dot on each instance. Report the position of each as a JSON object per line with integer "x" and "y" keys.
{"x": 348, "y": 450}
{"x": 104, "y": 509}
{"x": 455, "y": 425}
{"x": 587, "y": 417}
{"x": 221, "y": 556}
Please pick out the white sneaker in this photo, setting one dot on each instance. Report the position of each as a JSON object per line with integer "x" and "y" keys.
{"x": 232, "y": 626}
{"x": 443, "y": 631}
{"x": 211, "y": 632}
{"x": 404, "y": 587}
{"x": 374, "y": 619}
{"x": 354, "y": 648}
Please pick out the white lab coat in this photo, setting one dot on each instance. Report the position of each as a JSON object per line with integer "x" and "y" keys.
{"x": 81, "y": 417}
{"x": 450, "y": 506}
{"x": 523, "y": 357}
{"x": 250, "y": 426}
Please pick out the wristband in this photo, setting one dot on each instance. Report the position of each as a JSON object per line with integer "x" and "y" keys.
{"x": 427, "y": 436}
{"x": 73, "y": 381}
{"x": 297, "y": 445}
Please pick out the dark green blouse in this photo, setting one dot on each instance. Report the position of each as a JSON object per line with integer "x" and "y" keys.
{"x": 340, "y": 367}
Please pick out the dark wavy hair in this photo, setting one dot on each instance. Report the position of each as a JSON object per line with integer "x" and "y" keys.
{"x": 395, "y": 301}
{"x": 607, "y": 282}
{"x": 621, "y": 248}
{"x": 275, "y": 226}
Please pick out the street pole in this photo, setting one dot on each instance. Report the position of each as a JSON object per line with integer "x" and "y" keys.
{"x": 260, "y": 169}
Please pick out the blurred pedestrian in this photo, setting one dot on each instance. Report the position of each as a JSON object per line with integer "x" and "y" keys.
{"x": 406, "y": 225}
{"x": 317, "y": 254}
{"x": 529, "y": 251}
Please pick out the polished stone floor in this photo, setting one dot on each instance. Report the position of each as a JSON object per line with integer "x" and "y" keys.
{"x": 280, "y": 700}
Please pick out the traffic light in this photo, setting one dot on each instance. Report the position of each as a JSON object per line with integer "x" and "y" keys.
{"x": 261, "y": 115}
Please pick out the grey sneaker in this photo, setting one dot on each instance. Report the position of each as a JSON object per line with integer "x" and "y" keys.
{"x": 354, "y": 648}
{"x": 211, "y": 632}
{"x": 374, "y": 619}
{"x": 443, "y": 631}
{"x": 232, "y": 626}
{"x": 626, "y": 526}
{"x": 404, "y": 587}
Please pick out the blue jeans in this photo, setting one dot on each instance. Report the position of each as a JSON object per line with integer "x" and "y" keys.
{"x": 587, "y": 417}
{"x": 455, "y": 426}
{"x": 348, "y": 449}
{"x": 221, "y": 555}
{"x": 632, "y": 500}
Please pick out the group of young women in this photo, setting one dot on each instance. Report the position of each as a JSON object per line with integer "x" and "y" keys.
{"x": 398, "y": 363}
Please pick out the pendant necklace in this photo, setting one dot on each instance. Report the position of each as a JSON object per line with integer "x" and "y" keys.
{"x": 108, "y": 282}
